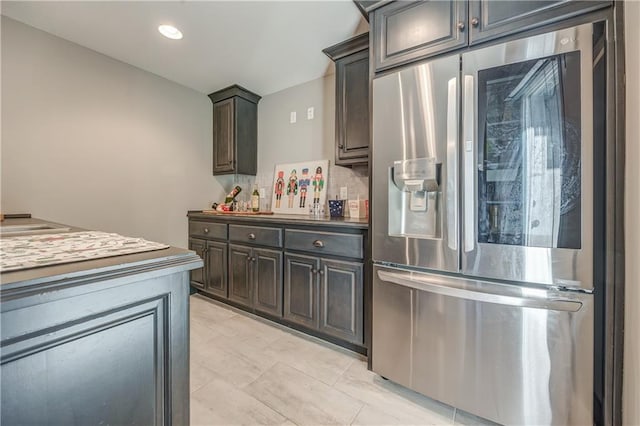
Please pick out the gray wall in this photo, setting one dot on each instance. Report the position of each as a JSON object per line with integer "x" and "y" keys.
{"x": 283, "y": 142}
{"x": 631, "y": 391}
{"x": 93, "y": 142}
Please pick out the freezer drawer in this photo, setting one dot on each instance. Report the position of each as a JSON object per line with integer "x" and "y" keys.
{"x": 510, "y": 354}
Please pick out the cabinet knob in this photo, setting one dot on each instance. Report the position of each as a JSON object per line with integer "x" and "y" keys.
{"x": 314, "y": 271}
{"x": 341, "y": 146}
{"x": 205, "y": 230}
{"x": 251, "y": 236}
{"x": 318, "y": 243}
{"x": 475, "y": 22}
{"x": 461, "y": 26}
{"x": 321, "y": 271}
{"x": 251, "y": 259}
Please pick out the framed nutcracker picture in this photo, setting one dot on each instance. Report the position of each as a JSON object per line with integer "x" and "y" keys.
{"x": 300, "y": 188}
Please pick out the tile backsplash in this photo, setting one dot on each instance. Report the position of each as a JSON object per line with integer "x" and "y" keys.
{"x": 356, "y": 180}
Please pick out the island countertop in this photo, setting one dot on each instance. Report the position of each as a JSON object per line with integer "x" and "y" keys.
{"x": 96, "y": 268}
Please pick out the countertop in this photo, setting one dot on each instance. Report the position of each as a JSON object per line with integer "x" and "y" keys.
{"x": 284, "y": 219}
{"x": 66, "y": 274}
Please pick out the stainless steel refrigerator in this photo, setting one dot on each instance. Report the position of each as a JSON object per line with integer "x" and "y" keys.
{"x": 483, "y": 226}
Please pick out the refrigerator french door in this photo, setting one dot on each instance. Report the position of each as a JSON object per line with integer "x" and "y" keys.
{"x": 483, "y": 224}
{"x": 528, "y": 160}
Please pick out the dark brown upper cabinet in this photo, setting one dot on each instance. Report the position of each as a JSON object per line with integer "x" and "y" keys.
{"x": 490, "y": 19}
{"x": 405, "y": 32}
{"x": 235, "y": 131}
{"x": 351, "y": 58}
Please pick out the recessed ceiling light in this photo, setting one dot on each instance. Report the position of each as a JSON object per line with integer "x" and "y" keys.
{"x": 170, "y": 31}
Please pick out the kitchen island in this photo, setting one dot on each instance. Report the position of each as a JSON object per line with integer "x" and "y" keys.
{"x": 97, "y": 341}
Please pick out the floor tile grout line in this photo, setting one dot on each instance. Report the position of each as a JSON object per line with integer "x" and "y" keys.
{"x": 358, "y": 401}
{"x": 353, "y": 419}
{"x": 266, "y": 402}
{"x": 343, "y": 372}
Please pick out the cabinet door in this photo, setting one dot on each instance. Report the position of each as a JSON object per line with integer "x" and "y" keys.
{"x": 352, "y": 109}
{"x": 341, "y": 300}
{"x": 197, "y": 275}
{"x": 407, "y": 31}
{"x": 223, "y": 136}
{"x": 240, "y": 275}
{"x": 267, "y": 281}
{"x": 216, "y": 261}
{"x": 301, "y": 289}
{"x": 490, "y": 18}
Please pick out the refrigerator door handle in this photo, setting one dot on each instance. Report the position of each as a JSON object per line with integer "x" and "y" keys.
{"x": 452, "y": 164}
{"x": 411, "y": 281}
{"x": 469, "y": 160}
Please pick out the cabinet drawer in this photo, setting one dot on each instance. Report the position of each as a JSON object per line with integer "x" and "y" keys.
{"x": 261, "y": 235}
{"x": 349, "y": 245}
{"x": 208, "y": 230}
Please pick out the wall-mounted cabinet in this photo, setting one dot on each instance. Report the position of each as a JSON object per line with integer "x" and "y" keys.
{"x": 235, "y": 131}
{"x": 352, "y": 99}
{"x": 404, "y": 32}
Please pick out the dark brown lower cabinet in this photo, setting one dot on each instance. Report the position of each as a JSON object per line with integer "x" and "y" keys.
{"x": 341, "y": 302}
{"x": 198, "y": 275}
{"x": 255, "y": 278}
{"x": 212, "y": 277}
{"x": 240, "y": 275}
{"x": 267, "y": 281}
{"x": 325, "y": 295}
{"x": 308, "y": 278}
{"x": 301, "y": 289}
{"x": 215, "y": 261}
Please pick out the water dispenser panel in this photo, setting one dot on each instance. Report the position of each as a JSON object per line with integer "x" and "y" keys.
{"x": 419, "y": 174}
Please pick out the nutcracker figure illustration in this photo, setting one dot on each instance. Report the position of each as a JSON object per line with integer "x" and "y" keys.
{"x": 292, "y": 187}
{"x": 318, "y": 184}
{"x": 279, "y": 187}
{"x": 304, "y": 184}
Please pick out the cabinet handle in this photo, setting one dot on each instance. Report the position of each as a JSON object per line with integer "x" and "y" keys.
{"x": 318, "y": 243}
{"x": 205, "y": 230}
{"x": 461, "y": 26}
{"x": 475, "y": 22}
{"x": 252, "y": 236}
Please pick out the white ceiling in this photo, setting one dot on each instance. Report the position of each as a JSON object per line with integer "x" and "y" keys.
{"x": 265, "y": 46}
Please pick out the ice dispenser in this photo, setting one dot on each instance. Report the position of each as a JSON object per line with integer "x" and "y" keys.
{"x": 415, "y": 198}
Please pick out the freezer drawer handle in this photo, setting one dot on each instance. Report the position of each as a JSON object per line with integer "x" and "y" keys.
{"x": 500, "y": 299}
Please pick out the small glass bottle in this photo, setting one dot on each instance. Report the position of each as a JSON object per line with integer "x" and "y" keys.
{"x": 255, "y": 199}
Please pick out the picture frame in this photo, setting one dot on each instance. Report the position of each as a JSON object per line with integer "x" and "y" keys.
{"x": 300, "y": 188}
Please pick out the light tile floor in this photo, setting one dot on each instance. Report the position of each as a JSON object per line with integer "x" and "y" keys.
{"x": 249, "y": 371}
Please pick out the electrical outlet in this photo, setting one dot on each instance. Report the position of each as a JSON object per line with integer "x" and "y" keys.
{"x": 292, "y": 117}
{"x": 310, "y": 112}
{"x": 263, "y": 193}
{"x": 344, "y": 193}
